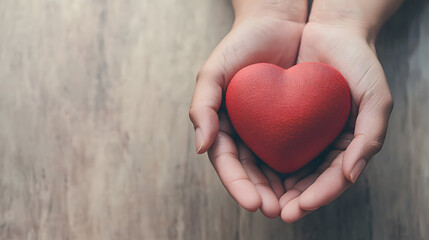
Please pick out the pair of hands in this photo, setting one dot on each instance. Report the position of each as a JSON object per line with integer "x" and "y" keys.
{"x": 278, "y": 32}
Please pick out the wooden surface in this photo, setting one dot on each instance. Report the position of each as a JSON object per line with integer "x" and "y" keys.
{"x": 95, "y": 141}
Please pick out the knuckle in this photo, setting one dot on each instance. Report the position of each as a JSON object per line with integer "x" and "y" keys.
{"x": 377, "y": 143}
{"x": 226, "y": 155}
{"x": 191, "y": 113}
{"x": 203, "y": 73}
{"x": 389, "y": 104}
{"x": 386, "y": 102}
{"x": 210, "y": 73}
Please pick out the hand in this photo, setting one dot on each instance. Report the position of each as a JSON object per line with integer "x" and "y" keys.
{"x": 263, "y": 31}
{"x": 349, "y": 47}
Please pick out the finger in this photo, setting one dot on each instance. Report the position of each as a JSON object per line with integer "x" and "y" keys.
{"x": 270, "y": 205}
{"x": 370, "y": 130}
{"x": 204, "y": 106}
{"x": 308, "y": 180}
{"x": 327, "y": 187}
{"x": 293, "y": 212}
{"x": 298, "y": 189}
{"x": 212, "y": 81}
{"x": 273, "y": 179}
{"x": 224, "y": 157}
{"x": 290, "y": 202}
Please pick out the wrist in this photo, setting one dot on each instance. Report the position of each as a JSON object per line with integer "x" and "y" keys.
{"x": 290, "y": 10}
{"x": 365, "y": 17}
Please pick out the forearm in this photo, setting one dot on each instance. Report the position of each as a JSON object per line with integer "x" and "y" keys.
{"x": 294, "y": 10}
{"x": 369, "y": 15}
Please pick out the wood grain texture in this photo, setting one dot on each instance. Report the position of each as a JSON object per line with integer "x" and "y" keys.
{"x": 95, "y": 141}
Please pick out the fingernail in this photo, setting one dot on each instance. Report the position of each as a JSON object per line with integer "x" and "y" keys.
{"x": 357, "y": 170}
{"x": 198, "y": 139}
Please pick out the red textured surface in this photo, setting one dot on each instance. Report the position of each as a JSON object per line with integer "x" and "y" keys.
{"x": 288, "y": 117}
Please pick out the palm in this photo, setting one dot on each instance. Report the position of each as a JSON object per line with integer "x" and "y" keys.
{"x": 318, "y": 184}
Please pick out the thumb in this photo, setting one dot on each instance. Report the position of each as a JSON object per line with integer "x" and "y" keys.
{"x": 204, "y": 107}
{"x": 370, "y": 129}
{"x": 211, "y": 81}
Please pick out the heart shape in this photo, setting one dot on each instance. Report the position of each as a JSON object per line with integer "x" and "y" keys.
{"x": 288, "y": 117}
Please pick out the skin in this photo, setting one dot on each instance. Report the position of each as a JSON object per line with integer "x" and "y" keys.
{"x": 339, "y": 33}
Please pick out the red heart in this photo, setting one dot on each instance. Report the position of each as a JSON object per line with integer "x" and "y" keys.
{"x": 288, "y": 117}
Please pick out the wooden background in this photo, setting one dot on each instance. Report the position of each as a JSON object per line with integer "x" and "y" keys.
{"x": 95, "y": 141}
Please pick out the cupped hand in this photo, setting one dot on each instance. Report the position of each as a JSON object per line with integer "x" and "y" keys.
{"x": 351, "y": 51}
{"x": 256, "y": 36}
